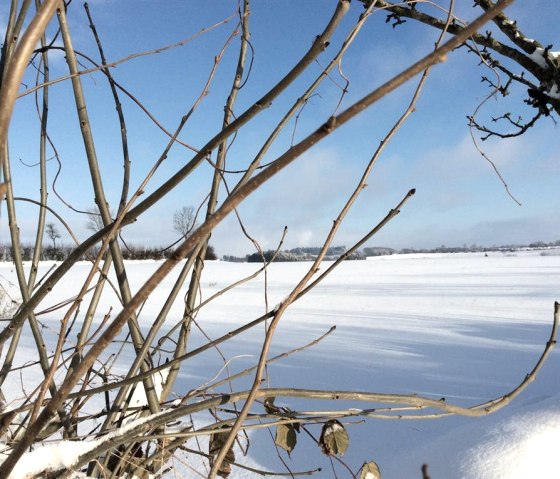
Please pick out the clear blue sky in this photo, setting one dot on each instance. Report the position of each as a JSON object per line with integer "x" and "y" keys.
{"x": 459, "y": 198}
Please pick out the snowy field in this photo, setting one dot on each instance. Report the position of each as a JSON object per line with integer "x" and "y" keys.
{"x": 463, "y": 327}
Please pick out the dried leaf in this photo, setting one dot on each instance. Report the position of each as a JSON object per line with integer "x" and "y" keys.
{"x": 217, "y": 441}
{"x": 269, "y": 406}
{"x": 370, "y": 470}
{"x": 334, "y": 438}
{"x": 286, "y": 437}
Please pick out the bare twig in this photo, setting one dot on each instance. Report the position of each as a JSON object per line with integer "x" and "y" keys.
{"x": 127, "y": 58}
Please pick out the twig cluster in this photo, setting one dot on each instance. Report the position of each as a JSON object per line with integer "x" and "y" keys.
{"x": 145, "y": 423}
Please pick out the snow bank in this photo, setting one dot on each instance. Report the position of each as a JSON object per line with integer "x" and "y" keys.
{"x": 463, "y": 326}
{"x": 52, "y": 457}
{"x": 522, "y": 446}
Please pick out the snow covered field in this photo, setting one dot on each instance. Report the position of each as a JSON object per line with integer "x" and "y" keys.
{"x": 463, "y": 327}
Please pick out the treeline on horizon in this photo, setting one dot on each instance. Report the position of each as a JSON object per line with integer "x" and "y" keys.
{"x": 129, "y": 252}
{"x": 309, "y": 253}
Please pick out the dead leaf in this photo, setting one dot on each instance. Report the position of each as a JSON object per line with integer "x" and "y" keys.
{"x": 217, "y": 441}
{"x": 370, "y": 470}
{"x": 334, "y": 438}
{"x": 286, "y": 437}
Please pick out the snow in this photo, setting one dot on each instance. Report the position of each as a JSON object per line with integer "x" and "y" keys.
{"x": 139, "y": 398}
{"x": 461, "y": 326}
{"x": 554, "y": 92}
{"x": 529, "y": 452}
{"x": 9, "y": 298}
{"x": 64, "y": 454}
{"x": 538, "y": 57}
{"x": 51, "y": 457}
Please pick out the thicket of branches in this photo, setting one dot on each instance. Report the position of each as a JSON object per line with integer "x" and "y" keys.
{"x": 139, "y": 439}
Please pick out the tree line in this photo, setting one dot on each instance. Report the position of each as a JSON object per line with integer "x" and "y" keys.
{"x": 62, "y": 251}
{"x": 145, "y": 252}
{"x": 184, "y": 221}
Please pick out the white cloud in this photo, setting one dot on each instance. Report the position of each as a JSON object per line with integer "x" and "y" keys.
{"x": 306, "y": 197}
{"x": 459, "y": 198}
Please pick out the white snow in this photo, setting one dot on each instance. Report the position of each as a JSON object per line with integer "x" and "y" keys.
{"x": 554, "y": 92}
{"x": 530, "y": 450}
{"x": 139, "y": 398}
{"x": 51, "y": 457}
{"x": 465, "y": 327}
{"x": 64, "y": 454}
{"x": 10, "y": 299}
{"x": 538, "y": 57}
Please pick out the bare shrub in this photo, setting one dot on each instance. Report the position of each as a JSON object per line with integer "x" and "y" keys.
{"x": 129, "y": 361}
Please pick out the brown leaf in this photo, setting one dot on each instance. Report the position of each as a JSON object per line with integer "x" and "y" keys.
{"x": 334, "y": 438}
{"x": 286, "y": 437}
{"x": 370, "y": 470}
{"x": 269, "y": 406}
{"x": 217, "y": 441}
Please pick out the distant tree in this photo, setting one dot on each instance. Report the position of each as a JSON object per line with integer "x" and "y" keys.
{"x": 378, "y": 251}
{"x": 184, "y": 220}
{"x": 52, "y": 232}
{"x": 259, "y": 258}
{"x": 234, "y": 259}
{"x": 537, "y": 244}
{"x": 94, "y": 221}
{"x": 211, "y": 253}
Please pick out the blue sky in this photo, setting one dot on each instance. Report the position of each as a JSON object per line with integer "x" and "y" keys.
{"x": 459, "y": 198}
